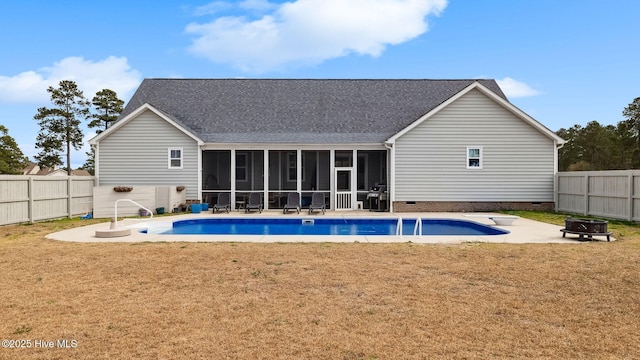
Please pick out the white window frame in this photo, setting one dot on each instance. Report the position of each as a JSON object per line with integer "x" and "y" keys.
{"x": 479, "y": 158}
{"x": 170, "y": 158}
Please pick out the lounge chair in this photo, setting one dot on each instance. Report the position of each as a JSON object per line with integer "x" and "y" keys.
{"x": 254, "y": 203}
{"x": 224, "y": 202}
{"x": 293, "y": 202}
{"x": 317, "y": 203}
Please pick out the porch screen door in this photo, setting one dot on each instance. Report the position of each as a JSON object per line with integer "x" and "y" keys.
{"x": 343, "y": 189}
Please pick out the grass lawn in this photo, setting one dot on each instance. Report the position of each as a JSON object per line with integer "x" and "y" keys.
{"x": 318, "y": 300}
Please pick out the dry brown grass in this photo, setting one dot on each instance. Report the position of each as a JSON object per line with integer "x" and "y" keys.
{"x": 326, "y": 301}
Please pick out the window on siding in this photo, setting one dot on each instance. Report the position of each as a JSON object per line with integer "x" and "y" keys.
{"x": 474, "y": 157}
{"x": 175, "y": 158}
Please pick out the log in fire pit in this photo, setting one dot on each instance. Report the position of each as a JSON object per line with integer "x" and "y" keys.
{"x": 585, "y": 227}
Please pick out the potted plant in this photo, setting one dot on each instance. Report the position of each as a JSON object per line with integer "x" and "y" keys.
{"x": 122, "y": 188}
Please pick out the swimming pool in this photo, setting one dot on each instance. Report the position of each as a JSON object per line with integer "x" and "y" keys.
{"x": 325, "y": 226}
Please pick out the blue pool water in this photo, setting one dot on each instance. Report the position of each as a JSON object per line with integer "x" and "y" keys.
{"x": 327, "y": 226}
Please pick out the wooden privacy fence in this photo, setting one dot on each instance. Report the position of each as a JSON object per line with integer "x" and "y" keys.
{"x": 35, "y": 198}
{"x": 610, "y": 194}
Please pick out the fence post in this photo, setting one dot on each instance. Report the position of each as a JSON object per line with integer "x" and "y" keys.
{"x": 586, "y": 194}
{"x": 69, "y": 197}
{"x": 556, "y": 188}
{"x": 30, "y": 194}
{"x": 630, "y": 196}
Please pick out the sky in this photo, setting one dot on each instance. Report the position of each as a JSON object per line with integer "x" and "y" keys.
{"x": 563, "y": 62}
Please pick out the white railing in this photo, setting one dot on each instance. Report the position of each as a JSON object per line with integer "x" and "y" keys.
{"x": 343, "y": 201}
{"x": 417, "y": 229}
{"x": 131, "y": 201}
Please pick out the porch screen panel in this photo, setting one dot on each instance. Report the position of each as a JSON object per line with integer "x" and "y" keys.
{"x": 316, "y": 170}
{"x": 372, "y": 170}
{"x": 282, "y": 170}
{"x": 216, "y": 174}
{"x": 283, "y": 167}
{"x": 249, "y": 170}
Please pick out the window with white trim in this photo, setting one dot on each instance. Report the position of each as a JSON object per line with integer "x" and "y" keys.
{"x": 474, "y": 157}
{"x": 175, "y": 158}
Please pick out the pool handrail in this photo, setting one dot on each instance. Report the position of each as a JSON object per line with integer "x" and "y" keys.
{"x": 399, "y": 227}
{"x": 115, "y": 211}
{"x": 417, "y": 229}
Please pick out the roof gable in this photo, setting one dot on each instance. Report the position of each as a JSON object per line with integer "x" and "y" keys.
{"x": 135, "y": 113}
{"x": 300, "y": 111}
{"x": 500, "y": 100}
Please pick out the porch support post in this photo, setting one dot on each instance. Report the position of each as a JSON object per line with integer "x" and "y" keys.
{"x": 200, "y": 152}
{"x": 265, "y": 195}
{"x": 332, "y": 178}
{"x": 354, "y": 180}
{"x": 299, "y": 170}
{"x": 233, "y": 177}
{"x": 391, "y": 173}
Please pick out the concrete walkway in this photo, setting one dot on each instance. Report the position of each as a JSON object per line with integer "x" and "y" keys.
{"x": 520, "y": 232}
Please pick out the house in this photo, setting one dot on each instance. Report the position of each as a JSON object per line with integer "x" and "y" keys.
{"x": 35, "y": 169}
{"x": 437, "y": 145}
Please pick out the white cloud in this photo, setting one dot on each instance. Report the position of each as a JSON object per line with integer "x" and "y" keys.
{"x": 212, "y": 8}
{"x": 217, "y": 7}
{"x": 515, "y": 89}
{"x": 31, "y": 86}
{"x": 257, "y": 5}
{"x": 306, "y": 32}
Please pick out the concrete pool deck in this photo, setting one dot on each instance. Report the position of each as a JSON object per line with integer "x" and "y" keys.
{"x": 522, "y": 231}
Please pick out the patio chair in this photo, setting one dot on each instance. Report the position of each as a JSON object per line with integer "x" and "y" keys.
{"x": 224, "y": 203}
{"x": 317, "y": 203}
{"x": 293, "y": 202}
{"x": 254, "y": 203}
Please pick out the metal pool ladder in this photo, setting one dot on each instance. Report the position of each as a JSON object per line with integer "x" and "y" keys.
{"x": 417, "y": 229}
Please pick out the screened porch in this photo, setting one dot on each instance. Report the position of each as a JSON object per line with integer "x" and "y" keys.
{"x": 275, "y": 173}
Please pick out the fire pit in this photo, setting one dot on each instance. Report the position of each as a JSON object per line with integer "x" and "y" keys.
{"x": 585, "y": 227}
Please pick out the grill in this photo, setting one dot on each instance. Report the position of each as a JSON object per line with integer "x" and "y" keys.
{"x": 377, "y": 197}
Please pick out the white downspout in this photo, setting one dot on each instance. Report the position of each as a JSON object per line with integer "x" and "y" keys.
{"x": 555, "y": 175}
{"x": 200, "y": 151}
{"x": 233, "y": 177}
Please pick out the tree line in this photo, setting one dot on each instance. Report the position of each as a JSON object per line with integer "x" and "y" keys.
{"x": 60, "y": 129}
{"x": 603, "y": 147}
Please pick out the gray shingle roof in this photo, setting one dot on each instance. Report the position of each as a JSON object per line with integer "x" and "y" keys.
{"x": 296, "y": 111}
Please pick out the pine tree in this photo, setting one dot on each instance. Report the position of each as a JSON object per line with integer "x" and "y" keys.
{"x": 12, "y": 160}
{"x": 108, "y": 107}
{"x": 60, "y": 125}
{"x": 632, "y": 124}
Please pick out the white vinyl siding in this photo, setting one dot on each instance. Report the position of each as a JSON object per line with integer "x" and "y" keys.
{"x": 136, "y": 154}
{"x": 517, "y": 160}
